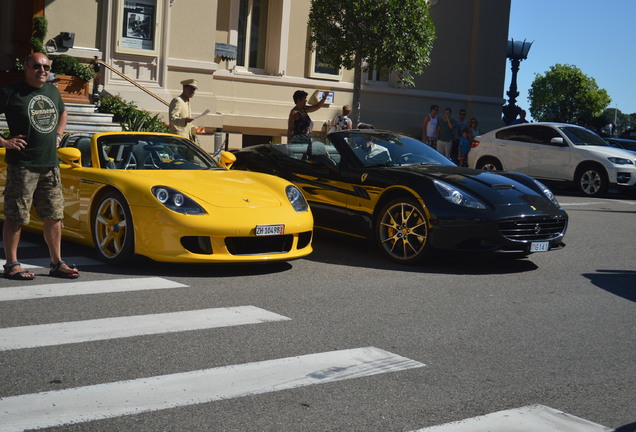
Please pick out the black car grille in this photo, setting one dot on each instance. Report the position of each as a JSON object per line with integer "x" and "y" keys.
{"x": 532, "y": 228}
{"x": 259, "y": 245}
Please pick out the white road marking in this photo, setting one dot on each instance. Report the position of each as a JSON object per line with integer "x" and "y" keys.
{"x": 82, "y": 404}
{"x": 28, "y": 292}
{"x": 573, "y": 204}
{"x": 597, "y": 201}
{"x": 109, "y": 328}
{"x": 531, "y": 418}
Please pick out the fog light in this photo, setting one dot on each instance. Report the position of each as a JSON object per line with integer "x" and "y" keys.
{"x": 623, "y": 177}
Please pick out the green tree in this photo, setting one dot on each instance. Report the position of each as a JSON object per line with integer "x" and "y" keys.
{"x": 631, "y": 123}
{"x": 566, "y": 94}
{"x": 393, "y": 35}
{"x": 614, "y": 116}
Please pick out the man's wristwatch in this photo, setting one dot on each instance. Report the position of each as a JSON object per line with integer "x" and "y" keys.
{"x": 59, "y": 137}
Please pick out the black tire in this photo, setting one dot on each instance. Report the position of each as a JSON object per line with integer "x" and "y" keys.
{"x": 113, "y": 233}
{"x": 489, "y": 164}
{"x": 401, "y": 230}
{"x": 591, "y": 181}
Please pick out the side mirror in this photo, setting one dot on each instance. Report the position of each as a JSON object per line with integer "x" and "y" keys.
{"x": 227, "y": 159}
{"x": 70, "y": 156}
{"x": 558, "y": 142}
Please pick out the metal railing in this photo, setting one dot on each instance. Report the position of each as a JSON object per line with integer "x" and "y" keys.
{"x": 130, "y": 80}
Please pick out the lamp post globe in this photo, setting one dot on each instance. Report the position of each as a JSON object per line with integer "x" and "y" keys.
{"x": 517, "y": 51}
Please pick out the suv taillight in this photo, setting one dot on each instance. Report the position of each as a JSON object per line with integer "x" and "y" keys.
{"x": 475, "y": 143}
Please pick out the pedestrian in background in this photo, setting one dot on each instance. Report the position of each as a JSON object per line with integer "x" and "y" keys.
{"x": 445, "y": 133}
{"x": 37, "y": 118}
{"x": 473, "y": 132}
{"x": 460, "y": 125}
{"x": 299, "y": 124}
{"x": 180, "y": 111}
{"x": 464, "y": 148}
{"x": 429, "y": 127}
{"x": 342, "y": 121}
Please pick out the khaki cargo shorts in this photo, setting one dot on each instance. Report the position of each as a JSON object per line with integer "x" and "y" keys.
{"x": 32, "y": 186}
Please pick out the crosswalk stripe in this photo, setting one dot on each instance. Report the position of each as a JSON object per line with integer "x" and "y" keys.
{"x": 86, "y": 287}
{"x": 531, "y": 418}
{"x": 12, "y": 338}
{"x": 36, "y": 263}
{"x": 82, "y": 404}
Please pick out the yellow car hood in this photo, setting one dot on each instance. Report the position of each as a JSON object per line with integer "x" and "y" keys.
{"x": 220, "y": 188}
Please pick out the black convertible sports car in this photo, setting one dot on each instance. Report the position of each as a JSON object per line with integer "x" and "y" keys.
{"x": 410, "y": 198}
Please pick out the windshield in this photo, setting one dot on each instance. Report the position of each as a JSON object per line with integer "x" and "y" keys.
{"x": 580, "y": 136}
{"x": 153, "y": 152}
{"x": 389, "y": 149}
{"x": 623, "y": 143}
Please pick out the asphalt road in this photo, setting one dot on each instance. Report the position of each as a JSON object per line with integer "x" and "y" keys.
{"x": 340, "y": 341}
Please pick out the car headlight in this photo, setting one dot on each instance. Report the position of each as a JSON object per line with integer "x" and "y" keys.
{"x": 457, "y": 196}
{"x": 176, "y": 201}
{"x": 620, "y": 161}
{"x": 296, "y": 198}
{"x": 548, "y": 193}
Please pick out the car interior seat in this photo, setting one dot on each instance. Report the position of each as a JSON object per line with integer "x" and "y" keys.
{"x": 83, "y": 144}
{"x": 320, "y": 154}
{"x": 104, "y": 160}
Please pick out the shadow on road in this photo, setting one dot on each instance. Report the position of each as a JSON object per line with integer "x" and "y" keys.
{"x": 562, "y": 189}
{"x": 618, "y": 282}
{"x": 329, "y": 248}
{"x": 146, "y": 267}
{"x": 626, "y": 428}
{"x": 141, "y": 266}
{"x": 332, "y": 248}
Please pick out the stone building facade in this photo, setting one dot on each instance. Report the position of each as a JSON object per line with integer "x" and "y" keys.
{"x": 249, "y": 56}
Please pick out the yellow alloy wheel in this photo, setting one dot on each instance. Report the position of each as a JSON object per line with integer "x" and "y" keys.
{"x": 402, "y": 231}
{"x": 112, "y": 228}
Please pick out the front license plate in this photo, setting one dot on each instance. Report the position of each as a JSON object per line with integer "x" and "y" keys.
{"x": 539, "y": 246}
{"x": 267, "y": 230}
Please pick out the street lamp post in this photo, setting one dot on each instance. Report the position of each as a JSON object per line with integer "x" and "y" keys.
{"x": 516, "y": 52}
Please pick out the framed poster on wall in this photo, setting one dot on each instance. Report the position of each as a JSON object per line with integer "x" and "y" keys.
{"x": 139, "y": 26}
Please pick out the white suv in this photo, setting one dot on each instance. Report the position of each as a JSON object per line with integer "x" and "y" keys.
{"x": 556, "y": 152}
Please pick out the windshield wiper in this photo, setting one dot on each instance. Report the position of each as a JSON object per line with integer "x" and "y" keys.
{"x": 383, "y": 164}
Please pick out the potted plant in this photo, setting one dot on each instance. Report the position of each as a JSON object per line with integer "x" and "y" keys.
{"x": 72, "y": 78}
{"x": 40, "y": 27}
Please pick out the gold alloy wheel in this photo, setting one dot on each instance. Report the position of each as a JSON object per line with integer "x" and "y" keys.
{"x": 112, "y": 228}
{"x": 403, "y": 231}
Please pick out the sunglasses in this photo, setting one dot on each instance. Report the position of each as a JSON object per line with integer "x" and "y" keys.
{"x": 37, "y": 66}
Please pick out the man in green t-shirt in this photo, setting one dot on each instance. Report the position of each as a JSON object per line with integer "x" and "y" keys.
{"x": 37, "y": 118}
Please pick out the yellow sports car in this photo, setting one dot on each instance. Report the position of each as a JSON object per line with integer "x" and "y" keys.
{"x": 163, "y": 197}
